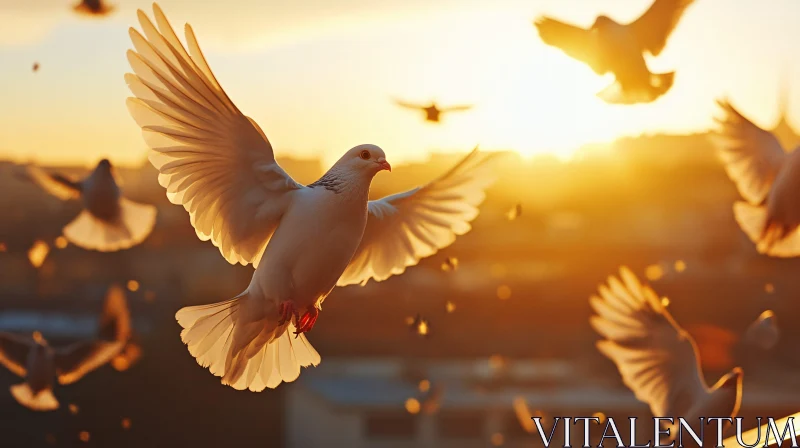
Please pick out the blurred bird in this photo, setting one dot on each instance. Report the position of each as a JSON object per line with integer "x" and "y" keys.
{"x": 515, "y": 212}
{"x": 609, "y": 46}
{"x": 763, "y": 332}
{"x": 767, "y": 178}
{"x": 41, "y": 364}
{"x": 35, "y": 67}
{"x": 657, "y": 359}
{"x": 109, "y": 222}
{"x": 95, "y": 8}
{"x": 432, "y": 111}
{"x": 302, "y": 240}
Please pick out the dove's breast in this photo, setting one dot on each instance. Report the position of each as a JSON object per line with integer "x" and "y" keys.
{"x": 101, "y": 197}
{"x": 783, "y": 203}
{"x": 311, "y": 247}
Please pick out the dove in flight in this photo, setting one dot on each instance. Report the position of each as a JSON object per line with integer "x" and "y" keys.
{"x": 432, "y": 111}
{"x": 657, "y": 359}
{"x": 763, "y": 332}
{"x": 108, "y": 222}
{"x": 95, "y": 8}
{"x": 303, "y": 240}
{"x": 42, "y": 365}
{"x": 617, "y": 48}
{"x": 767, "y": 178}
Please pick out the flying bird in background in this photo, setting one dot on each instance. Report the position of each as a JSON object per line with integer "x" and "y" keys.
{"x": 97, "y": 8}
{"x": 763, "y": 332}
{"x": 42, "y": 365}
{"x": 657, "y": 359}
{"x": 108, "y": 222}
{"x": 432, "y": 111}
{"x": 303, "y": 240}
{"x": 767, "y": 178}
{"x": 612, "y": 47}
{"x": 35, "y": 67}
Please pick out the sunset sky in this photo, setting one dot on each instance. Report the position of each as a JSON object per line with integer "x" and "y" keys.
{"x": 319, "y": 75}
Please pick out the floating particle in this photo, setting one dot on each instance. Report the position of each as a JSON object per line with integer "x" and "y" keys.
{"x": 769, "y": 288}
{"x": 424, "y": 386}
{"x": 37, "y": 337}
{"x": 422, "y": 327}
{"x": 664, "y": 302}
{"x": 127, "y": 357}
{"x": 412, "y": 406}
{"x": 498, "y": 439}
{"x": 73, "y": 409}
{"x": 515, "y": 212}
{"x": 410, "y": 321}
{"x": 37, "y": 253}
{"x": 149, "y": 296}
{"x": 601, "y": 416}
{"x": 61, "y": 242}
{"x": 126, "y": 423}
{"x": 3, "y": 247}
{"x": 524, "y": 414}
{"x": 654, "y": 272}
{"x": 450, "y": 264}
{"x": 680, "y": 266}
{"x": 497, "y": 362}
{"x": 133, "y": 285}
{"x": 503, "y": 292}
{"x": 450, "y": 306}
{"x": 84, "y": 436}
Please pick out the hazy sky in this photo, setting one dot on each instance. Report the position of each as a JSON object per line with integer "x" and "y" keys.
{"x": 319, "y": 75}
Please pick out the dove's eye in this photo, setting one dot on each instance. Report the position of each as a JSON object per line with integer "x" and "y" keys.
{"x": 365, "y": 154}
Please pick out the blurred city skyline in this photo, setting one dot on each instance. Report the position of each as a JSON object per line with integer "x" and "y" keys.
{"x": 320, "y": 78}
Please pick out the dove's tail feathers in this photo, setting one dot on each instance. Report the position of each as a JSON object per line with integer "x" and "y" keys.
{"x": 135, "y": 223}
{"x": 617, "y": 94}
{"x": 770, "y": 237}
{"x": 44, "y": 400}
{"x": 247, "y": 354}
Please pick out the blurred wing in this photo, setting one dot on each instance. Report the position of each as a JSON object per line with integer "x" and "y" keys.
{"x": 212, "y": 159}
{"x": 408, "y": 105}
{"x": 657, "y": 359}
{"x": 115, "y": 322}
{"x": 55, "y": 184}
{"x": 751, "y": 155}
{"x": 456, "y": 108}
{"x": 406, "y": 227}
{"x": 14, "y": 352}
{"x": 575, "y": 41}
{"x": 654, "y": 26}
{"x": 80, "y": 358}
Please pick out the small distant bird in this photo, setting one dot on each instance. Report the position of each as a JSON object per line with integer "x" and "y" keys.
{"x": 109, "y": 222}
{"x": 609, "y": 46}
{"x": 450, "y": 264}
{"x": 763, "y": 332}
{"x": 35, "y": 67}
{"x": 93, "y": 8}
{"x": 767, "y": 178}
{"x": 303, "y": 240}
{"x": 41, "y": 364}
{"x": 432, "y": 111}
{"x": 657, "y": 359}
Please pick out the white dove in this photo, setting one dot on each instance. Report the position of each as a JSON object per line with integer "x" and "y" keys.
{"x": 767, "y": 178}
{"x": 302, "y": 240}
{"x": 109, "y": 222}
{"x": 763, "y": 332}
{"x": 609, "y": 46}
{"x": 41, "y": 365}
{"x": 657, "y": 359}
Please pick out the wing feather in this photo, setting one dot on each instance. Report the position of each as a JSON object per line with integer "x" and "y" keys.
{"x": 576, "y": 42}
{"x": 14, "y": 351}
{"x": 654, "y": 26}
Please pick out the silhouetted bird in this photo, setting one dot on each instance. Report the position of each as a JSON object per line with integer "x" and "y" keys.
{"x": 767, "y": 178}
{"x": 433, "y": 112}
{"x": 609, "y": 46}
{"x": 41, "y": 364}
{"x": 658, "y": 360}
{"x": 93, "y": 7}
{"x": 303, "y": 240}
{"x": 35, "y": 67}
{"x": 109, "y": 222}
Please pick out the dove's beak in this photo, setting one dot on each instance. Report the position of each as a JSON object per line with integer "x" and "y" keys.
{"x": 384, "y": 165}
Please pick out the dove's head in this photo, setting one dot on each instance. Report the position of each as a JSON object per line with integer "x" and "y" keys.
{"x": 366, "y": 159}
{"x": 602, "y": 22}
{"x": 104, "y": 164}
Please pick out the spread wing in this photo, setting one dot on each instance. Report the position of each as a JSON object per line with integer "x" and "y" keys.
{"x": 456, "y": 108}
{"x": 406, "y": 227}
{"x": 115, "y": 321}
{"x": 408, "y": 105}
{"x": 657, "y": 359}
{"x": 654, "y": 26}
{"x": 576, "y": 42}
{"x": 211, "y": 158}
{"x": 14, "y": 352}
{"x": 76, "y": 360}
{"x": 751, "y": 155}
{"x": 55, "y": 184}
